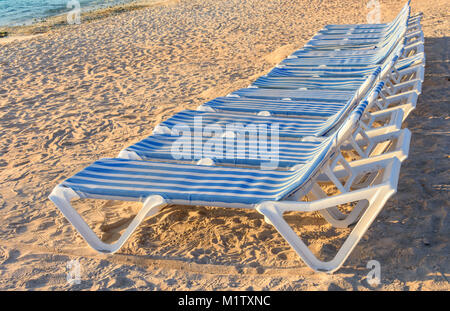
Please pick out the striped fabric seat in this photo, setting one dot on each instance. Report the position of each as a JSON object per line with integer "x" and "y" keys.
{"x": 314, "y": 103}
{"x": 325, "y": 83}
{"x": 304, "y": 95}
{"x": 338, "y": 72}
{"x": 355, "y": 28}
{"x": 359, "y": 61}
{"x": 342, "y": 58}
{"x": 342, "y": 44}
{"x": 281, "y": 154}
{"x": 306, "y": 53}
{"x": 314, "y": 109}
{"x": 365, "y": 34}
{"x": 358, "y": 40}
{"x": 366, "y": 28}
{"x": 345, "y": 72}
{"x": 355, "y": 41}
{"x": 135, "y": 180}
{"x": 287, "y": 127}
{"x": 350, "y": 36}
{"x": 355, "y": 63}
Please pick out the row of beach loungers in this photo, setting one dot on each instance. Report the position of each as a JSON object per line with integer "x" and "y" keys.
{"x": 335, "y": 109}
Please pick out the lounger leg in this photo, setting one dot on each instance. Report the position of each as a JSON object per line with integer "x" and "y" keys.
{"x": 376, "y": 197}
{"x": 61, "y": 196}
{"x": 276, "y": 218}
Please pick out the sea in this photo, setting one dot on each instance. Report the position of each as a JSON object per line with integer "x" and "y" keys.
{"x": 26, "y": 12}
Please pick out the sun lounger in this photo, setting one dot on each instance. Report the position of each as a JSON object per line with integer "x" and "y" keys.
{"x": 312, "y": 108}
{"x": 285, "y": 154}
{"x": 413, "y": 44}
{"x": 347, "y": 31}
{"x": 307, "y": 83}
{"x": 295, "y": 99}
{"x": 268, "y": 191}
{"x": 293, "y": 69}
{"x": 291, "y": 128}
{"x": 361, "y": 40}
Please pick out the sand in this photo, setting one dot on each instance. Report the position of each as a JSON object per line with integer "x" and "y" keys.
{"x": 79, "y": 93}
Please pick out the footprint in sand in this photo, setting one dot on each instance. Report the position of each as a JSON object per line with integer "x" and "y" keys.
{"x": 3, "y": 255}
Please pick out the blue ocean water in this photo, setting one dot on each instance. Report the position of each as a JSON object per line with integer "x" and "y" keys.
{"x": 24, "y": 12}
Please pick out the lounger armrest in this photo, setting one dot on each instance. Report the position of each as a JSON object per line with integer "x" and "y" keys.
{"x": 389, "y": 180}
{"x": 417, "y": 35}
{"x": 400, "y": 140}
{"x": 418, "y": 70}
{"x": 417, "y": 47}
{"x": 392, "y": 117}
{"x": 402, "y": 87}
{"x": 409, "y": 97}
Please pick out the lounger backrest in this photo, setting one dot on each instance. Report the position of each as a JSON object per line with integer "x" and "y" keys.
{"x": 396, "y": 30}
{"x": 331, "y": 144}
{"x": 404, "y": 13}
{"x": 337, "y": 119}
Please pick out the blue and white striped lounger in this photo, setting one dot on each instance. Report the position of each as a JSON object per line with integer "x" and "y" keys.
{"x": 343, "y": 72}
{"x": 311, "y": 54}
{"x": 354, "y": 61}
{"x": 301, "y": 102}
{"x": 179, "y": 147}
{"x": 292, "y": 108}
{"x": 350, "y": 60}
{"x": 354, "y": 31}
{"x": 162, "y": 147}
{"x": 292, "y": 128}
{"x": 383, "y": 46}
{"x": 280, "y": 155}
{"x": 354, "y": 45}
{"x": 334, "y": 106}
{"x": 327, "y": 83}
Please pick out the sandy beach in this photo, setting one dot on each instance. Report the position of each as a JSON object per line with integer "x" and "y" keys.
{"x": 78, "y": 93}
